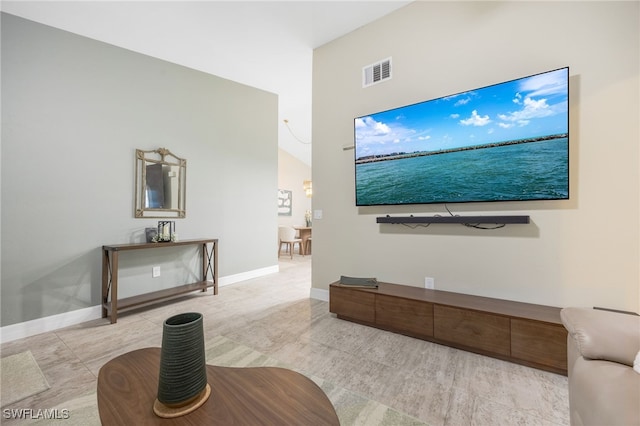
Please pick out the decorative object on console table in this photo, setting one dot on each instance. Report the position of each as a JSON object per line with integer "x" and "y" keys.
{"x": 182, "y": 382}
{"x": 358, "y": 282}
{"x": 151, "y": 234}
{"x": 166, "y": 231}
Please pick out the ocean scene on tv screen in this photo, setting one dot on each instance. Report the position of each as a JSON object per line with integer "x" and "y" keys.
{"x": 506, "y": 142}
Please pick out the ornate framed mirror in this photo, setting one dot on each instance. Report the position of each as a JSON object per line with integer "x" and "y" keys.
{"x": 160, "y": 184}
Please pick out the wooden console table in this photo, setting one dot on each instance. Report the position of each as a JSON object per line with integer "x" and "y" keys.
{"x": 111, "y": 305}
{"x": 128, "y": 386}
{"x": 523, "y": 333}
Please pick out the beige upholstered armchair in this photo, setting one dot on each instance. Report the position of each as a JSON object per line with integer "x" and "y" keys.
{"x": 604, "y": 387}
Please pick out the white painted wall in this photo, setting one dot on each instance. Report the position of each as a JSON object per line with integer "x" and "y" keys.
{"x": 291, "y": 175}
{"x": 580, "y": 252}
{"x": 73, "y": 112}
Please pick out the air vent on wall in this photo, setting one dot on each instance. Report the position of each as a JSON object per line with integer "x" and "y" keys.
{"x": 375, "y": 73}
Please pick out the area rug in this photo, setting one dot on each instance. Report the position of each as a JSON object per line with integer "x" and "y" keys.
{"x": 352, "y": 409}
{"x": 21, "y": 378}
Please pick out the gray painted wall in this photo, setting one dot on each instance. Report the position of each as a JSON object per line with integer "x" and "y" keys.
{"x": 73, "y": 112}
{"x": 580, "y": 252}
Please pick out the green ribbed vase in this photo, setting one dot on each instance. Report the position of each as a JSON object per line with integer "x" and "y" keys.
{"x": 183, "y": 368}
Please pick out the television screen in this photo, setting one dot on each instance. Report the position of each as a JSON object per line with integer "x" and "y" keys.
{"x": 505, "y": 142}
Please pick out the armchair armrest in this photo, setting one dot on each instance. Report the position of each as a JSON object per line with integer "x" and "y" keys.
{"x": 603, "y": 335}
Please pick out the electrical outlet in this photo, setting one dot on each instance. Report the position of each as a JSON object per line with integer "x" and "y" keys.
{"x": 155, "y": 272}
{"x": 429, "y": 283}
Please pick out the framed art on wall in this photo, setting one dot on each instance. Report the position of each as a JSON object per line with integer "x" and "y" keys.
{"x": 284, "y": 202}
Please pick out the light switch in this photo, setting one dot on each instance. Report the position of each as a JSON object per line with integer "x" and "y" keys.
{"x": 317, "y": 214}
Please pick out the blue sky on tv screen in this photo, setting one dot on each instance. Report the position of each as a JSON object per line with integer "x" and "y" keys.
{"x": 524, "y": 108}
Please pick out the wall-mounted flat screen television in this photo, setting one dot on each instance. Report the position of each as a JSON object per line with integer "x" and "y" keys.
{"x": 505, "y": 142}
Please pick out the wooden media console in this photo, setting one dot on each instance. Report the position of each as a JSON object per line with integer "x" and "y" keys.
{"x": 524, "y": 333}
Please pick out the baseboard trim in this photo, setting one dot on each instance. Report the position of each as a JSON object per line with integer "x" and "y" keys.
{"x": 50, "y": 323}
{"x": 243, "y": 276}
{"x": 319, "y": 294}
{"x": 78, "y": 316}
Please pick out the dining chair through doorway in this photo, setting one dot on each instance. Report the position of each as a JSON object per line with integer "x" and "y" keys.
{"x": 307, "y": 246}
{"x": 287, "y": 236}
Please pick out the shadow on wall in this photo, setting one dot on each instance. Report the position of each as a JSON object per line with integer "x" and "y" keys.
{"x": 75, "y": 285}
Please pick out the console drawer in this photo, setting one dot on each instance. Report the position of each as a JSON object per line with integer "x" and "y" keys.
{"x": 354, "y": 304}
{"x": 539, "y": 342}
{"x": 407, "y": 316}
{"x": 524, "y": 333}
{"x": 472, "y": 329}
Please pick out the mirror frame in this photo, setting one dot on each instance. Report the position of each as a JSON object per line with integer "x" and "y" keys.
{"x": 165, "y": 157}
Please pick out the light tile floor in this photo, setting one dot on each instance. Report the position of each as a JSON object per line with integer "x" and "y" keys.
{"x": 274, "y": 315}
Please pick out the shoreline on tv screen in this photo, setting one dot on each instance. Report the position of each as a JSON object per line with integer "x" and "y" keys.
{"x": 401, "y": 155}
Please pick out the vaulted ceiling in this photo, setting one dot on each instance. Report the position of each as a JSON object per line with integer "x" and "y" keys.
{"x": 265, "y": 44}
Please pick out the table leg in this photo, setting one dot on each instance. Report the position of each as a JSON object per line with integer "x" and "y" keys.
{"x": 207, "y": 257}
{"x": 205, "y": 267}
{"x": 215, "y": 267}
{"x": 106, "y": 274}
{"x": 114, "y": 287}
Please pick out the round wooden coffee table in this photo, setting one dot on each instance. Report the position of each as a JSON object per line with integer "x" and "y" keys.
{"x": 128, "y": 386}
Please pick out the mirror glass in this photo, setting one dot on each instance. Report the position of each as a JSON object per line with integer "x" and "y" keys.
{"x": 160, "y": 184}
